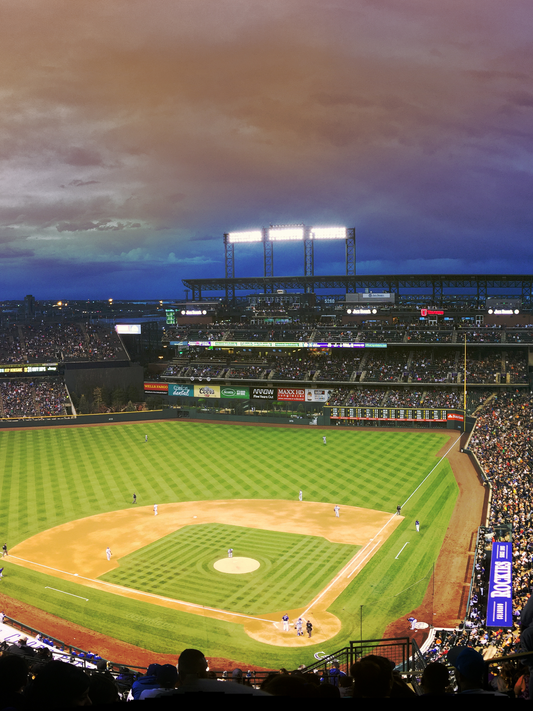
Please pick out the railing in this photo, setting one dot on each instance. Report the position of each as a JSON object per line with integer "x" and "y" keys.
{"x": 395, "y": 649}
{"x": 526, "y": 656}
{"x": 69, "y": 651}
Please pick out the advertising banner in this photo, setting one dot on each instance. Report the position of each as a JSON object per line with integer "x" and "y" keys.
{"x": 313, "y": 395}
{"x": 500, "y": 600}
{"x": 209, "y": 391}
{"x": 455, "y": 416}
{"x": 180, "y": 390}
{"x": 156, "y": 388}
{"x": 284, "y": 344}
{"x": 262, "y": 393}
{"x": 293, "y": 394}
{"x": 234, "y": 392}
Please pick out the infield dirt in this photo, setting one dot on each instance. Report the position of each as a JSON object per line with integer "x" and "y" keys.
{"x": 76, "y": 551}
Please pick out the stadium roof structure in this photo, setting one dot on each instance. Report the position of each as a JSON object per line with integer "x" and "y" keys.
{"x": 392, "y": 283}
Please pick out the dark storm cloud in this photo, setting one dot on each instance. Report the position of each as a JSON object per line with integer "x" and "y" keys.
{"x": 143, "y": 132}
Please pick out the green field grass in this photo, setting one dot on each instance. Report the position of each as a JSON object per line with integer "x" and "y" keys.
{"x": 293, "y": 568}
{"x": 49, "y": 477}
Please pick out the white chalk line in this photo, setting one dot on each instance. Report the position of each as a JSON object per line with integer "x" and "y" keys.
{"x": 398, "y": 555}
{"x": 431, "y": 472}
{"x": 104, "y": 583}
{"x": 47, "y": 587}
{"x": 355, "y": 560}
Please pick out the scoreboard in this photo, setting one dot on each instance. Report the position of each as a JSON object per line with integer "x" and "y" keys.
{"x": 412, "y": 414}
{"x": 10, "y": 371}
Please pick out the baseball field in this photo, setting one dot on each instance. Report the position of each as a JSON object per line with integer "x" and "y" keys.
{"x": 67, "y": 496}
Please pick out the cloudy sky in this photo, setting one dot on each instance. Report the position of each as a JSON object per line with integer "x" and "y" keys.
{"x": 134, "y": 133}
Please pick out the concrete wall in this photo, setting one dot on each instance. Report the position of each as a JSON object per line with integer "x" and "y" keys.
{"x": 80, "y": 380}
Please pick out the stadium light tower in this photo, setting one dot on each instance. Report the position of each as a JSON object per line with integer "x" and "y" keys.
{"x": 287, "y": 233}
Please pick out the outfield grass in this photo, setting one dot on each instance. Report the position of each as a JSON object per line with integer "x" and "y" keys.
{"x": 50, "y": 477}
{"x": 293, "y": 568}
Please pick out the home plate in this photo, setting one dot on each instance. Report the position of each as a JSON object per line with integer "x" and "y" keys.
{"x": 237, "y": 565}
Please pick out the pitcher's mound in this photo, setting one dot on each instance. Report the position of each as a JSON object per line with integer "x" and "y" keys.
{"x": 236, "y": 565}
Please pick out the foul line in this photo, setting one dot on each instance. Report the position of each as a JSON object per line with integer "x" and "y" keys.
{"x": 104, "y": 583}
{"x": 411, "y": 586}
{"x": 47, "y": 587}
{"x": 431, "y": 472}
{"x": 361, "y": 562}
{"x": 354, "y": 561}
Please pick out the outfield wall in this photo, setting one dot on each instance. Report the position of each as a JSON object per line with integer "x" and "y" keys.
{"x": 145, "y": 415}
{"x": 254, "y": 419}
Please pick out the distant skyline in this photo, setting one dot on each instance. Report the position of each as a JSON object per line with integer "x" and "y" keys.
{"x": 134, "y": 134}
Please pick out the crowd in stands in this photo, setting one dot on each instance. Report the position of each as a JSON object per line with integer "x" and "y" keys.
{"x": 10, "y": 348}
{"x": 246, "y": 371}
{"x": 205, "y": 370}
{"x": 33, "y": 677}
{"x": 486, "y": 367}
{"x": 337, "y": 369}
{"x": 369, "y": 397}
{"x": 35, "y": 397}
{"x": 522, "y": 336}
{"x": 515, "y": 367}
{"x": 425, "y": 365}
{"x": 53, "y": 342}
{"x": 416, "y": 334}
{"x": 367, "y": 332}
{"x": 405, "y": 397}
{"x": 290, "y": 367}
{"x": 431, "y": 365}
{"x": 502, "y": 443}
{"x": 384, "y": 367}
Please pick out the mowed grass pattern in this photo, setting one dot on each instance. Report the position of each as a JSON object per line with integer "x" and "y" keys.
{"x": 293, "y": 568}
{"x": 52, "y": 476}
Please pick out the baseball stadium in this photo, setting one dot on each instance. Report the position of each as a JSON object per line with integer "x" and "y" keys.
{"x": 281, "y": 472}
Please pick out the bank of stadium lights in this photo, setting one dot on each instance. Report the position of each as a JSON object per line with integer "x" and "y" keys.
{"x": 288, "y": 233}
{"x": 251, "y": 236}
{"x": 328, "y": 232}
{"x": 285, "y": 234}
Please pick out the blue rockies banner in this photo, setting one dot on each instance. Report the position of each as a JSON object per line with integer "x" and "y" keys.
{"x": 500, "y": 601}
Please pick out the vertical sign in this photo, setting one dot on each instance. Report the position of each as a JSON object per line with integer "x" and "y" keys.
{"x": 500, "y": 601}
